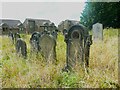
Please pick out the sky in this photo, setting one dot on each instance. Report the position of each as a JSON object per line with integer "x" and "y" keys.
{"x": 53, "y": 11}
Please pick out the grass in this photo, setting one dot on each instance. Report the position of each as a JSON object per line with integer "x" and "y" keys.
{"x": 34, "y": 72}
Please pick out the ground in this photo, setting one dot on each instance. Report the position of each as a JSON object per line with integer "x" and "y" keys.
{"x": 34, "y": 72}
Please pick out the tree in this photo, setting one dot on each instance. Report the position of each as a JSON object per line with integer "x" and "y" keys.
{"x": 102, "y": 12}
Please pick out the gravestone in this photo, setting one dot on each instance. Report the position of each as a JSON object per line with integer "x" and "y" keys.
{"x": 48, "y": 47}
{"x": 97, "y": 31}
{"x": 77, "y": 40}
{"x": 34, "y": 41}
{"x": 50, "y": 29}
{"x": 21, "y": 47}
{"x": 88, "y": 42}
{"x": 11, "y": 35}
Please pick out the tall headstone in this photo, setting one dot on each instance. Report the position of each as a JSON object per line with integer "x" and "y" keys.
{"x": 87, "y": 44}
{"x": 97, "y": 31}
{"x": 77, "y": 42}
{"x": 48, "y": 47}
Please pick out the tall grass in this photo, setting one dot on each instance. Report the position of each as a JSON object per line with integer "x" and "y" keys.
{"x": 35, "y": 72}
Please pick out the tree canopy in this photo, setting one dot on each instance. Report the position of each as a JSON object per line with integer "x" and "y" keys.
{"x": 107, "y": 13}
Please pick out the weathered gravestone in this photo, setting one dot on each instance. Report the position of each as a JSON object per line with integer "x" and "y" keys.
{"x": 97, "y": 31}
{"x": 34, "y": 41}
{"x": 48, "y": 47}
{"x": 21, "y": 47}
{"x": 78, "y": 44}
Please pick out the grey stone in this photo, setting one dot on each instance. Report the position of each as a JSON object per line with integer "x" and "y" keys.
{"x": 78, "y": 44}
{"x": 48, "y": 47}
{"x": 21, "y": 47}
{"x": 97, "y": 31}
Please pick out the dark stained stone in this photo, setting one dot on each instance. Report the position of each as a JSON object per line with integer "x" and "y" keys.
{"x": 21, "y": 47}
{"x": 34, "y": 41}
{"x": 78, "y": 44}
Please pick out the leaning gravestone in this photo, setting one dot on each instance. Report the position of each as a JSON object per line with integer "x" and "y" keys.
{"x": 77, "y": 41}
{"x": 48, "y": 47}
{"x": 97, "y": 31}
{"x": 21, "y": 47}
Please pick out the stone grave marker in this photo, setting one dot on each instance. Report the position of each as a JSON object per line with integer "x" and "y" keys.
{"x": 48, "y": 47}
{"x": 76, "y": 41}
{"x": 11, "y": 35}
{"x": 21, "y": 47}
{"x": 50, "y": 29}
{"x": 97, "y": 31}
{"x": 87, "y": 44}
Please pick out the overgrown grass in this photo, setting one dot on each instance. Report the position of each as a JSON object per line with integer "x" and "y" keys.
{"x": 35, "y": 72}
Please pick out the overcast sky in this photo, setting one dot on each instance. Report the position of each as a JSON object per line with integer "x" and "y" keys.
{"x": 54, "y": 11}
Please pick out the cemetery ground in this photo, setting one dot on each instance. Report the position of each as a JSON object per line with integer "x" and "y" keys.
{"x": 35, "y": 72}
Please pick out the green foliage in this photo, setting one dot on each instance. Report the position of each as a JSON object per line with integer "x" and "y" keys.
{"x": 102, "y": 12}
{"x": 68, "y": 80}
